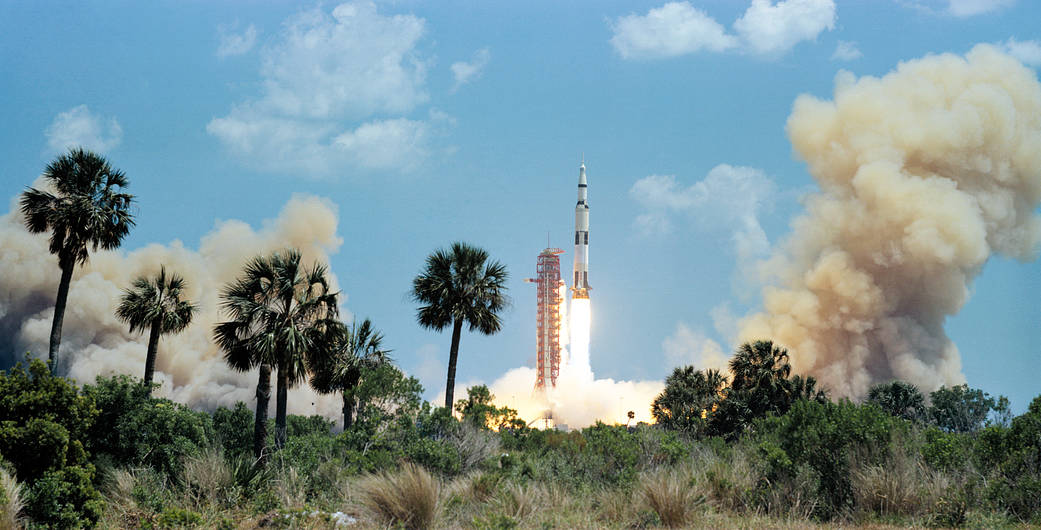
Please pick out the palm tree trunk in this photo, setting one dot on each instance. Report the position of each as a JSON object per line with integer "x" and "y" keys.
{"x": 280, "y": 408}
{"x": 153, "y": 346}
{"x": 348, "y": 409}
{"x": 67, "y": 264}
{"x": 453, "y": 357}
{"x": 260, "y": 423}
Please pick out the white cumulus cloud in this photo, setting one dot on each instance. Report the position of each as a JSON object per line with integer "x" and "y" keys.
{"x": 676, "y": 28}
{"x": 1027, "y": 52}
{"x": 337, "y": 89}
{"x": 968, "y": 8}
{"x": 79, "y": 127}
{"x": 729, "y": 197}
{"x": 846, "y": 51}
{"x": 769, "y": 28}
{"x": 465, "y": 72}
{"x": 232, "y": 43}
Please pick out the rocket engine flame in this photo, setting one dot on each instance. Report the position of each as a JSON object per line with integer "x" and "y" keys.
{"x": 581, "y": 322}
{"x": 925, "y": 174}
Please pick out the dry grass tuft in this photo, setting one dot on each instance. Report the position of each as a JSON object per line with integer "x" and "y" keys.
{"x": 11, "y": 502}
{"x": 671, "y": 495}
{"x": 519, "y": 500}
{"x": 474, "y": 445}
{"x": 410, "y": 498}
{"x": 209, "y": 479}
{"x": 903, "y": 485}
{"x": 290, "y": 488}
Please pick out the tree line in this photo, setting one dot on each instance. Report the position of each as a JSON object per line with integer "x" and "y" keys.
{"x": 283, "y": 316}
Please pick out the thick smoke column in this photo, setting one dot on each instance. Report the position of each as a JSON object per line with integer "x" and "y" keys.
{"x": 924, "y": 174}
{"x": 95, "y": 342}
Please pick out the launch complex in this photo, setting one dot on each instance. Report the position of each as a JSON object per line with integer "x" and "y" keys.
{"x": 552, "y": 315}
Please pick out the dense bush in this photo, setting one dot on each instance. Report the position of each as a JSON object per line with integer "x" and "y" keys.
{"x": 44, "y": 427}
{"x": 825, "y": 436}
{"x": 135, "y": 429}
{"x": 233, "y": 429}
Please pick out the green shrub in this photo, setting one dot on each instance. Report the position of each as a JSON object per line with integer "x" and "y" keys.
{"x": 233, "y": 429}
{"x": 825, "y": 436}
{"x": 136, "y": 429}
{"x": 65, "y": 498}
{"x": 44, "y": 421}
{"x": 946, "y": 450}
{"x": 178, "y": 518}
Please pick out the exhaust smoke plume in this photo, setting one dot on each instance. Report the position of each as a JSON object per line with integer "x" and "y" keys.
{"x": 924, "y": 174}
{"x": 94, "y": 342}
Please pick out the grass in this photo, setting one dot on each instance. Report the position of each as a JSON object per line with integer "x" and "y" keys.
{"x": 671, "y": 495}
{"x": 11, "y": 502}
{"x": 410, "y": 497}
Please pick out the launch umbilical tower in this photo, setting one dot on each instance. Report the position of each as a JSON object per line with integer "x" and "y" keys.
{"x": 550, "y": 297}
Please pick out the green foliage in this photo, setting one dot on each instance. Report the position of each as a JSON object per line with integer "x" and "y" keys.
{"x": 945, "y": 450}
{"x": 762, "y": 384}
{"x": 824, "y": 436}
{"x": 44, "y": 422}
{"x": 900, "y": 399}
{"x": 478, "y": 409}
{"x": 233, "y": 429}
{"x": 136, "y": 429}
{"x": 177, "y": 518}
{"x": 963, "y": 409}
{"x": 688, "y": 397}
{"x": 308, "y": 425}
{"x": 65, "y": 498}
{"x": 1017, "y": 459}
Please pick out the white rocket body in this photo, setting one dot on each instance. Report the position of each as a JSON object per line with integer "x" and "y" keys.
{"x": 580, "y": 285}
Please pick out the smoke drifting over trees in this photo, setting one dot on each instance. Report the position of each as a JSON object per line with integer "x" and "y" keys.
{"x": 924, "y": 174}
{"x": 95, "y": 342}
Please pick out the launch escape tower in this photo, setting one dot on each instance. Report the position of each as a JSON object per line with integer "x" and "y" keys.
{"x": 548, "y": 286}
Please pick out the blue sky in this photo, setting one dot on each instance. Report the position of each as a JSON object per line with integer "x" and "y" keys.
{"x": 429, "y": 122}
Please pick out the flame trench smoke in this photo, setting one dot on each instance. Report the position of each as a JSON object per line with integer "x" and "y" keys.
{"x": 189, "y": 366}
{"x": 924, "y": 174}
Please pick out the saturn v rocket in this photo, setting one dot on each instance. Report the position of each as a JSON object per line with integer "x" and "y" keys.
{"x": 580, "y": 287}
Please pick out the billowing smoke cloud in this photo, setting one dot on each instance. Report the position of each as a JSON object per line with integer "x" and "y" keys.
{"x": 94, "y": 342}
{"x": 924, "y": 174}
{"x": 576, "y": 401}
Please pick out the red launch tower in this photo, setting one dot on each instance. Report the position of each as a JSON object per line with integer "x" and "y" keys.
{"x": 548, "y": 285}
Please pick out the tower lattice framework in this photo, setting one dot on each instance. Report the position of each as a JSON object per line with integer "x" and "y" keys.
{"x": 548, "y": 286}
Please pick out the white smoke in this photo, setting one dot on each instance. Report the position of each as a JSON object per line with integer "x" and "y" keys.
{"x": 189, "y": 365}
{"x": 924, "y": 174}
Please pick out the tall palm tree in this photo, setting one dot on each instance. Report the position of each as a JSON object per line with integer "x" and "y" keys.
{"x": 689, "y": 396}
{"x": 87, "y": 208}
{"x": 284, "y": 318}
{"x": 156, "y": 304}
{"x": 760, "y": 365}
{"x": 355, "y": 349}
{"x": 456, "y": 286}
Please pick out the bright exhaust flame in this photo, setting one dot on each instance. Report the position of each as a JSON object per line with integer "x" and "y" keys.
{"x": 581, "y": 322}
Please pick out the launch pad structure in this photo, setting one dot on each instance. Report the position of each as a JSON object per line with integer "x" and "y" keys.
{"x": 548, "y": 287}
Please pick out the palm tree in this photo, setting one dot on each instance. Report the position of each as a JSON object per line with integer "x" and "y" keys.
{"x": 283, "y": 318}
{"x": 760, "y": 385}
{"x": 86, "y": 209}
{"x": 806, "y": 388}
{"x": 760, "y": 365}
{"x": 457, "y": 286}
{"x": 156, "y": 304}
{"x": 688, "y": 398}
{"x": 355, "y": 349}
